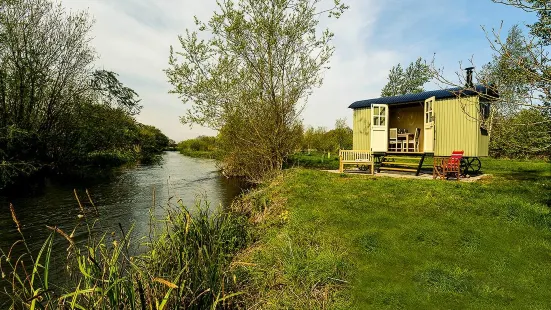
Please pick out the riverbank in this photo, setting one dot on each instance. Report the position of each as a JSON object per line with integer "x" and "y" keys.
{"x": 312, "y": 160}
{"x": 311, "y": 239}
{"x": 340, "y": 242}
{"x": 201, "y": 154}
{"x": 126, "y": 203}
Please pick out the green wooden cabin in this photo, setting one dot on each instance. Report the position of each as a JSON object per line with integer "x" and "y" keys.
{"x": 449, "y": 119}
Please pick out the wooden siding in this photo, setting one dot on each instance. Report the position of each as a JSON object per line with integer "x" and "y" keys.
{"x": 457, "y": 126}
{"x": 361, "y": 127}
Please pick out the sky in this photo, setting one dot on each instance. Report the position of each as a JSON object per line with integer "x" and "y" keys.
{"x": 133, "y": 38}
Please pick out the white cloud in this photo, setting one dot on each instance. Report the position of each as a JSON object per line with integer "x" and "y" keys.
{"x": 133, "y": 39}
{"x": 358, "y": 67}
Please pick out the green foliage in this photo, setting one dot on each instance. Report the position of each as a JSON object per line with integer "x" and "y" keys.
{"x": 113, "y": 92}
{"x": 201, "y": 143}
{"x": 539, "y": 29}
{"x": 333, "y": 140}
{"x": 58, "y": 114}
{"x": 528, "y": 56}
{"x": 314, "y": 160}
{"x": 202, "y": 146}
{"x": 519, "y": 126}
{"x": 376, "y": 242}
{"x": 506, "y": 76}
{"x": 186, "y": 266}
{"x": 151, "y": 142}
{"x": 526, "y": 134}
{"x": 262, "y": 59}
{"x": 410, "y": 81}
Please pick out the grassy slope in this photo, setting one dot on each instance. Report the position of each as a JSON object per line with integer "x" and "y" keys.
{"x": 201, "y": 154}
{"x": 314, "y": 160}
{"x": 406, "y": 243}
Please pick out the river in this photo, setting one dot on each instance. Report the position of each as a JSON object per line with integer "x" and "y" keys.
{"x": 124, "y": 198}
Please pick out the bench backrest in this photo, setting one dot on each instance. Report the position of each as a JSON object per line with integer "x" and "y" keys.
{"x": 455, "y": 159}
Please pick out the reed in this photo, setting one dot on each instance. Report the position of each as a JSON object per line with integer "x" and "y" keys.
{"x": 186, "y": 265}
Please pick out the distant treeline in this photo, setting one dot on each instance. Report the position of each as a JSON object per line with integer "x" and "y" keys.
{"x": 57, "y": 112}
{"x": 319, "y": 139}
{"x": 202, "y": 146}
{"x": 521, "y": 134}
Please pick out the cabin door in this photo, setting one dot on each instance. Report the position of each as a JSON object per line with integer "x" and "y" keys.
{"x": 428, "y": 139}
{"x": 379, "y": 128}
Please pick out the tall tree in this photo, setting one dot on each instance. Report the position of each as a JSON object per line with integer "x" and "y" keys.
{"x": 541, "y": 28}
{"x": 342, "y": 134}
{"x": 45, "y": 61}
{"x": 263, "y": 58}
{"x": 55, "y": 110}
{"x": 520, "y": 72}
{"x": 410, "y": 80}
{"x": 505, "y": 76}
{"x": 113, "y": 93}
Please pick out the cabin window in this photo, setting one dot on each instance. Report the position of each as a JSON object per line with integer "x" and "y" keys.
{"x": 428, "y": 112}
{"x": 484, "y": 110}
{"x": 484, "y": 115}
{"x": 379, "y": 116}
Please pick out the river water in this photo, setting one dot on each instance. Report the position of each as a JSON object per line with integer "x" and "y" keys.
{"x": 125, "y": 198}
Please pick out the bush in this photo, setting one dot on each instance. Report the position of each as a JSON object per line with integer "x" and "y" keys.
{"x": 202, "y": 146}
{"x": 525, "y": 134}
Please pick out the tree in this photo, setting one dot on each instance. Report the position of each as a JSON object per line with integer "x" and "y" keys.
{"x": 507, "y": 78}
{"x": 411, "y": 80}
{"x": 45, "y": 60}
{"x": 541, "y": 28}
{"x": 112, "y": 92}
{"x": 342, "y": 134}
{"x": 521, "y": 135}
{"x": 56, "y": 112}
{"x": 520, "y": 73}
{"x": 262, "y": 59}
{"x": 308, "y": 139}
{"x": 527, "y": 56}
{"x": 320, "y": 139}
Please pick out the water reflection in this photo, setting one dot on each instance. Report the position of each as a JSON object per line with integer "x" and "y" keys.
{"x": 125, "y": 198}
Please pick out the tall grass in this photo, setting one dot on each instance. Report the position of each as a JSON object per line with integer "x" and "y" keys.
{"x": 186, "y": 266}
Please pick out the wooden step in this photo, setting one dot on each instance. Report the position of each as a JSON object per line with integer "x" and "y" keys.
{"x": 400, "y": 164}
{"x": 405, "y": 153}
{"x": 403, "y": 157}
{"x": 398, "y": 169}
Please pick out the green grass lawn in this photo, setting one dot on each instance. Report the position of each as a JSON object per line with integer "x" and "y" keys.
{"x": 313, "y": 160}
{"x": 360, "y": 242}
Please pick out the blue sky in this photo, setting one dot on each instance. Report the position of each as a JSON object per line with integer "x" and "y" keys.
{"x": 132, "y": 38}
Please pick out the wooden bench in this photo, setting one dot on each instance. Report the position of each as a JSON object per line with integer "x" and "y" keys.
{"x": 353, "y": 157}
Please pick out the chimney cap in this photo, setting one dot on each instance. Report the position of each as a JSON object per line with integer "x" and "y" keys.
{"x": 469, "y": 68}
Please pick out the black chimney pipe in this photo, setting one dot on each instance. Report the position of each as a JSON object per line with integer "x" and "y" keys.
{"x": 469, "y": 82}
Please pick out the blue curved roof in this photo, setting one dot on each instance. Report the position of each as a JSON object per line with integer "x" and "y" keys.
{"x": 439, "y": 94}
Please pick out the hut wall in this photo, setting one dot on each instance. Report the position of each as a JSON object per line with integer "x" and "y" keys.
{"x": 457, "y": 126}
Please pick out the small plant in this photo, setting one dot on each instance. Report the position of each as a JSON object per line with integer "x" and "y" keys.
{"x": 186, "y": 266}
